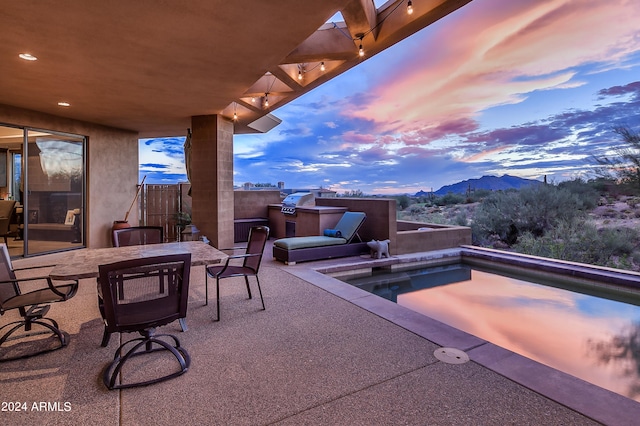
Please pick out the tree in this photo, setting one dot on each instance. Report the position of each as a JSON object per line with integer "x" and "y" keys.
{"x": 533, "y": 209}
{"x": 624, "y": 165}
{"x": 356, "y": 193}
{"x": 403, "y": 201}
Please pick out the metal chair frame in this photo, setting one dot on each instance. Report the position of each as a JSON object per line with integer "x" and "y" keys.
{"x": 144, "y": 315}
{"x": 252, "y": 258}
{"x": 33, "y": 305}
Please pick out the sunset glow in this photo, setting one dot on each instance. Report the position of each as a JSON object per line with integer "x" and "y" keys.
{"x": 527, "y": 88}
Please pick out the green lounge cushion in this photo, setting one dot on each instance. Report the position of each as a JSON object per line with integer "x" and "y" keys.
{"x": 294, "y": 243}
{"x": 349, "y": 223}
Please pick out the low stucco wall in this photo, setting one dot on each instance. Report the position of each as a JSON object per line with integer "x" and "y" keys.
{"x": 251, "y": 208}
{"x": 413, "y": 237}
{"x": 404, "y": 236}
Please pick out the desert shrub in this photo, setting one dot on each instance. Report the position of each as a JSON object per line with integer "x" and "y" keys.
{"x": 450, "y": 198}
{"x": 533, "y": 209}
{"x": 416, "y": 210}
{"x": 460, "y": 218}
{"x": 425, "y": 214}
{"x": 633, "y": 202}
{"x": 435, "y": 217}
{"x": 581, "y": 241}
{"x": 612, "y": 213}
{"x": 493, "y": 217}
{"x": 587, "y": 192}
{"x": 413, "y": 212}
{"x": 478, "y": 195}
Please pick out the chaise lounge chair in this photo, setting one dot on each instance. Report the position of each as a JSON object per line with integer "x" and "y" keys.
{"x": 337, "y": 242}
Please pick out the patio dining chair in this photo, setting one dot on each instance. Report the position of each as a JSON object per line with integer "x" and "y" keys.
{"x": 140, "y": 295}
{"x": 251, "y": 259}
{"x": 137, "y": 235}
{"x": 31, "y": 296}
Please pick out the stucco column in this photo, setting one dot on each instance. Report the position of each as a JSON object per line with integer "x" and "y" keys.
{"x": 212, "y": 178}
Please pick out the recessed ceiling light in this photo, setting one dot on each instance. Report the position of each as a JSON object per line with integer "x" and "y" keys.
{"x": 27, "y": 57}
{"x": 64, "y": 104}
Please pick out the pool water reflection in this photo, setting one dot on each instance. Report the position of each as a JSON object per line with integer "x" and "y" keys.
{"x": 585, "y": 335}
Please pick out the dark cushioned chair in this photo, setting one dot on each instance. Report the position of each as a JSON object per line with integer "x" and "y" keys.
{"x": 138, "y": 235}
{"x": 251, "y": 259}
{"x": 33, "y": 305}
{"x": 140, "y": 295}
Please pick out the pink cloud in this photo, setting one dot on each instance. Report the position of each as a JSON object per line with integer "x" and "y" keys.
{"x": 352, "y": 136}
{"x": 485, "y": 154}
{"x": 453, "y": 126}
{"x": 493, "y": 52}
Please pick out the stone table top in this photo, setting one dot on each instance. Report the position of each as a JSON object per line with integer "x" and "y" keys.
{"x": 84, "y": 263}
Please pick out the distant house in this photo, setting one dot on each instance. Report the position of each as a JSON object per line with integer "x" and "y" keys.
{"x": 248, "y": 186}
{"x": 317, "y": 192}
{"x": 325, "y": 193}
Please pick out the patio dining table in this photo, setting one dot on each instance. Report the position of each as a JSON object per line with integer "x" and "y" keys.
{"x": 85, "y": 263}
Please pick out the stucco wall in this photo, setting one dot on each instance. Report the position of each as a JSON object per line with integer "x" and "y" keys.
{"x": 381, "y": 216}
{"x": 414, "y": 237}
{"x": 253, "y": 204}
{"x": 112, "y": 168}
{"x": 405, "y": 238}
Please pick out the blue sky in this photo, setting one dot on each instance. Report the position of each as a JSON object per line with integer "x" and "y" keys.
{"x": 527, "y": 88}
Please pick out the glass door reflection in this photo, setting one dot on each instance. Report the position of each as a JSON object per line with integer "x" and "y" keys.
{"x": 53, "y": 192}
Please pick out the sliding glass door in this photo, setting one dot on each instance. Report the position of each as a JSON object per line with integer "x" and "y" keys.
{"x": 53, "y": 191}
{"x": 42, "y": 190}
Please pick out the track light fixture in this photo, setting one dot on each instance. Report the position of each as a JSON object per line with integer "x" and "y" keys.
{"x": 322, "y": 67}
{"x": 409, "y": 8}
{"x": 27, "y": 57}
{"x": 266, "y": 100}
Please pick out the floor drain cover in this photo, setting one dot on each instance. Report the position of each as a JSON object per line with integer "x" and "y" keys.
{"x": 451, "y": 355}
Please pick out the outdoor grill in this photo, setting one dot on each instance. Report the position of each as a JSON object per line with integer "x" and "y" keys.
{"x": 297, "y": 199}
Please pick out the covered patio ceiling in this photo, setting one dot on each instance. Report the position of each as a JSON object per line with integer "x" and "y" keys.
{"x": 149, "y": 66}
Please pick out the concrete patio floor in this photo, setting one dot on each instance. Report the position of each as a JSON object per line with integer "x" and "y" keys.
{"x": 321, "y": 353}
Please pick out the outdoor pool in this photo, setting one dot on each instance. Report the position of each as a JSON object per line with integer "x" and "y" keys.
{"x": 584, "y": 329}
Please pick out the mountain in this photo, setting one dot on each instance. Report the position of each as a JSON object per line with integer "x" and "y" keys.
{"x": 492, "y": 183}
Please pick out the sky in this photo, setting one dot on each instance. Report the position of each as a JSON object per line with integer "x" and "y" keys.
{"x": 529, "y": 88}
